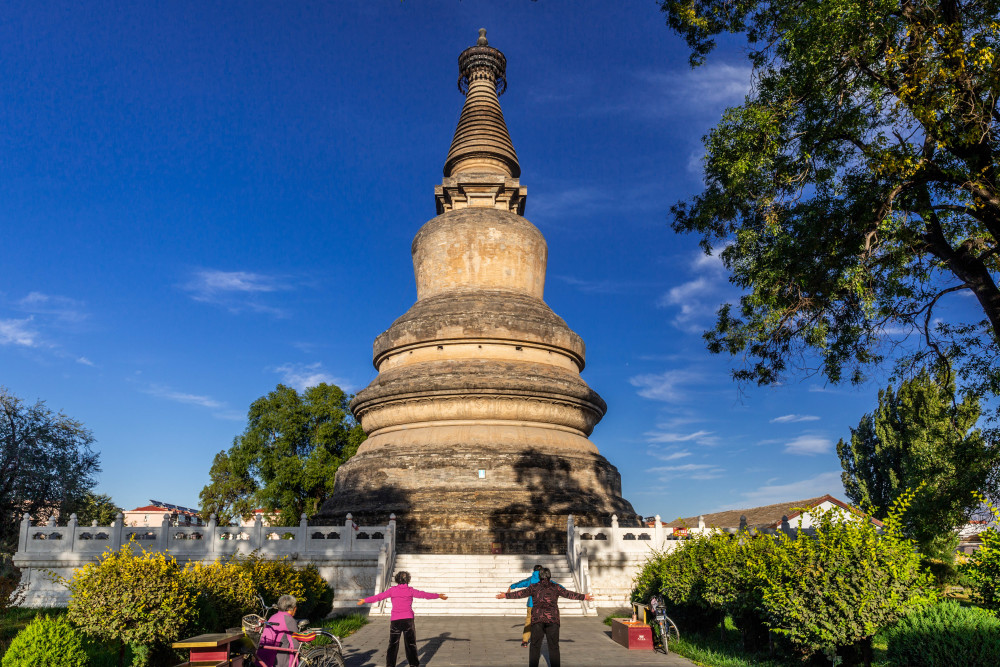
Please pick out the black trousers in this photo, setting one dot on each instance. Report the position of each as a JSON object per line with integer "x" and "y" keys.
{"x": 551, "y": 633}
{"x": 405, "y": 627}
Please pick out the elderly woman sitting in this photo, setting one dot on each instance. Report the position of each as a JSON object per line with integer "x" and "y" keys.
{"x": 277, "y": 645}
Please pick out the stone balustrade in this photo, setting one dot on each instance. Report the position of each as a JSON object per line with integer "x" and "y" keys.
{"x": 354, "y": 560}
{"x": 198, "y": 542}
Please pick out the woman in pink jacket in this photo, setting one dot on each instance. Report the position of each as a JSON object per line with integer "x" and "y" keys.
{"x": 401, "y": 618}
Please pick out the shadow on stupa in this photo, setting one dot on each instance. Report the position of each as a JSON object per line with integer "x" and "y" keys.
{"x": 520, "y": 507}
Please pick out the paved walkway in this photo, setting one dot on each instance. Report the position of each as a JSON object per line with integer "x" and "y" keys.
{"x": 495, "y": 641}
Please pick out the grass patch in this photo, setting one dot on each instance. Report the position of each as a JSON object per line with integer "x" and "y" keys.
{"x": 617, "y": 613}
{"x": 726, "y": 650}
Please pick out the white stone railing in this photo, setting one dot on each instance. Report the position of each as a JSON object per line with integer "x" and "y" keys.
{"x": 201, "y": 542}
{"x": 386, "y": 561}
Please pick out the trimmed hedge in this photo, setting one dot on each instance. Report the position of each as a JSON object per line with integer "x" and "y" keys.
{"x": 944, "y": 635}
{"x": 47, "y": 642}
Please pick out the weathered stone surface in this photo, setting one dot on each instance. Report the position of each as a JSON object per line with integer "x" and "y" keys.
{"x": 482, "y": 248}
{"x": 442, "y": 504}
{"x": 480, "y": 315}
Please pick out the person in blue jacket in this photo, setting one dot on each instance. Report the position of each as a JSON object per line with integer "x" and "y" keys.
{"x": 524, "y": 583}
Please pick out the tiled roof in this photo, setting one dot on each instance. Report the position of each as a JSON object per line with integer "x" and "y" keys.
{"x": 766, "y": 516}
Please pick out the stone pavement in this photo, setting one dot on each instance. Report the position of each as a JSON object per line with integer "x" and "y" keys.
{"x": 495, "y": 641}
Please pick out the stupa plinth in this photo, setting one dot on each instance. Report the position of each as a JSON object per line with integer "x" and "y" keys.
{"x": 478, "y": 420}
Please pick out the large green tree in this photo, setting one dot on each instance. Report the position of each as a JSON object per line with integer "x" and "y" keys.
{"x": 856, "y": 186}
{"x": 47, "y": 465}
{"x": 922, "y": 437}
{"x": 286, "y": 458}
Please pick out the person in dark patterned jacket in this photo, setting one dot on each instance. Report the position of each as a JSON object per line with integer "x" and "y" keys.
{"x": 544, "y": 614}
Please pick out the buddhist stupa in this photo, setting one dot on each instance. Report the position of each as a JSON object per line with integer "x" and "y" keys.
{"x": 478, "y": 420}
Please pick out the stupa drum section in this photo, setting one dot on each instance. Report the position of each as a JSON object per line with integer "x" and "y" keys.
{"x": 478, "y": 420}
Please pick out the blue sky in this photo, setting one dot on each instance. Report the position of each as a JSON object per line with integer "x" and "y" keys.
{"x": 201, "y": 200}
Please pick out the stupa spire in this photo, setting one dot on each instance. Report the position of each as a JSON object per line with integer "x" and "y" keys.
{"x": 482, "y": 143}
{"x": 481, "y": 168}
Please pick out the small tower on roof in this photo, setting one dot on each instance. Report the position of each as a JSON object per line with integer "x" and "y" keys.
{"x": 481, "y": 169}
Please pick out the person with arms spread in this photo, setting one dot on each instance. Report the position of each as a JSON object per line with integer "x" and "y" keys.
{"x": 401, "y": 618}
{"x": 544, "y": 614}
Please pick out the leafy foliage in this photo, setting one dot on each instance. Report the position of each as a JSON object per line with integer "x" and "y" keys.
{"x": 228, "y": 589}
{"x": 857, "y": 185}
{"x": 945, "y": 634}
{"x": 287, "y": 456}
{"x": 97, "y": 507}
{"x": 923, "y": 437}
{"x": 46, "y": 464}
{"x": 983, "y": 568}
{"x": 47, "y": 642}
{"x": 138, "y": 599}
{"x": 835, "y": 590}
{"x": 12, "y": 589}
{"x": 829, "y": 590}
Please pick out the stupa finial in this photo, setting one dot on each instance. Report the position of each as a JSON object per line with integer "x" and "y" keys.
{"x": 482, "y": 38}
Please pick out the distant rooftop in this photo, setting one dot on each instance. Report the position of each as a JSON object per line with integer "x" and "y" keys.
{"x": 766, "y": 516}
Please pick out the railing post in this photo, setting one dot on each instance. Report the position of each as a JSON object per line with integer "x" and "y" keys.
{"x": 163, "y": 539}
{"x": 302, "y": 534}
{"x": 349, "y": 529}
{"x": 71, "y": 530}
{"x": 569, "y": 536}
{"x": 257, "y": 538}
{"x": 25, "y": 534}
{"x": 614, "y": 532}
{"x": 658, "y": 532}
{"x": 116, "y": 531}
{"x": 210, "y": 535}
{"x": 585, "y": 574}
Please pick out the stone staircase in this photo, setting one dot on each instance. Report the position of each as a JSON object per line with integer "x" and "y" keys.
{"x": 471, "y": 583}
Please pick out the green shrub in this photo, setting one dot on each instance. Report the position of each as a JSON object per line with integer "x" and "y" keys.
{"x": 983, "y": 571}
{"x": 946, "y": 634}
{"x": 833, "y": 591}
{"x": 227, "y": 589}
{"x": 679, "y": 576}
{"x": 139, "y": 599}
{"x": 47, "y": 642}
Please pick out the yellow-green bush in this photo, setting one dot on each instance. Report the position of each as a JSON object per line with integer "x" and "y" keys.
{"x": 228, "y": 589}
{"x": 132, "y": 596}
{"x": 47, "y": 642}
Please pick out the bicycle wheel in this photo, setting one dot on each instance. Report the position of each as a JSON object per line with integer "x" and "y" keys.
{"x": 672, "y": 631}
{"x": 322, "y": 656}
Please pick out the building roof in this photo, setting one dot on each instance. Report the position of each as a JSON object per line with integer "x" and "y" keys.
{"x": 766, "y": 516}
{"x": 165, "y": 510}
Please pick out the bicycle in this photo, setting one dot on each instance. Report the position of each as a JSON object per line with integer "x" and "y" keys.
{"x": 305, "y": 655}
{"x": 665, "y": 625}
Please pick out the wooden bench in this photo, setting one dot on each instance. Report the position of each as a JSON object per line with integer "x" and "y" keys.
{"x": 210, "y": 650}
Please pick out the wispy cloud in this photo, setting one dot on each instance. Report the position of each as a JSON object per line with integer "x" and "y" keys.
{"x": 19, "y": 332}
{"x": 792, "y": 419}
{"x": 770, "y": 493}
{"x": 237, "y": 291}
{"x": 704, "y": 438}
{"x": 809, "y": 445}
{"x": 668, "y": 454}
{"x": 597, "y": 286}
{"x": 670, "y": 386}
{"x": 62, "y": 308}
{"x": 698, "y": 471}
{"x": 699, "y": 298}
{"x": 84, "y": 361}
{"x": 303, "y": 376}
{"x": 160, "y": 391}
